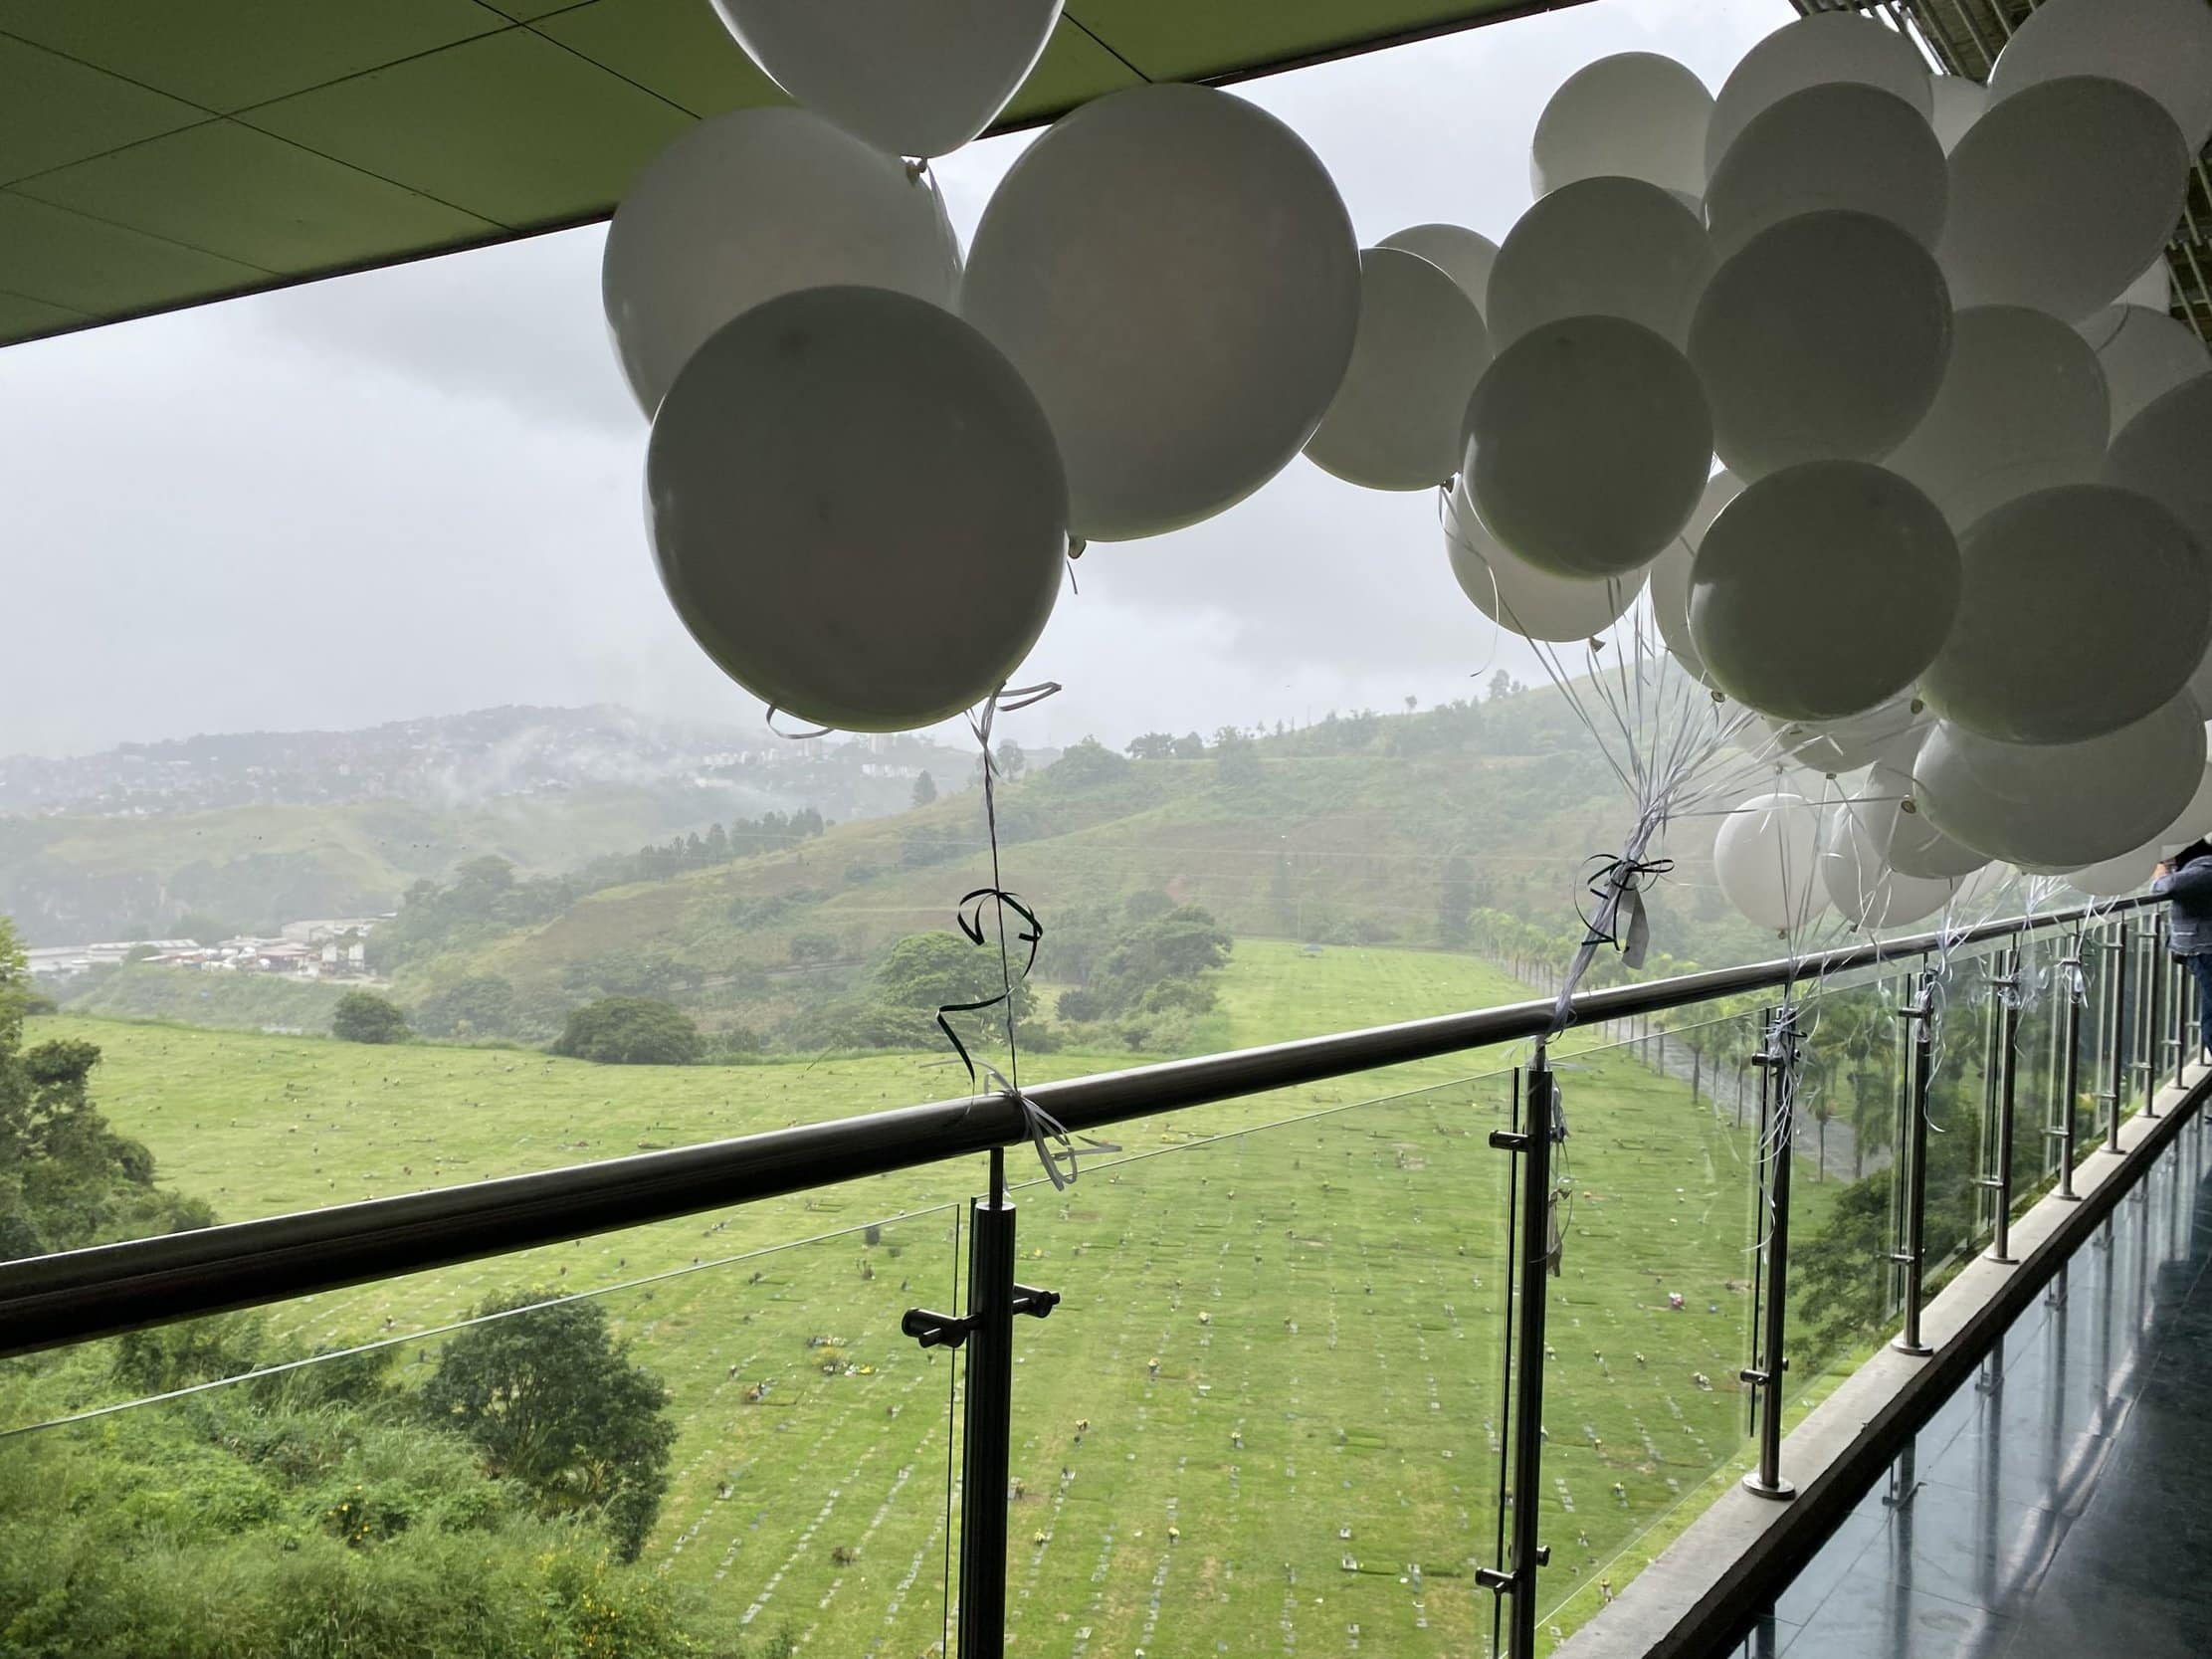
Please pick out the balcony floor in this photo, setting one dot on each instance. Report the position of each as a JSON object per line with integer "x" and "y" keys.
{"x": 2061, "y": 1503}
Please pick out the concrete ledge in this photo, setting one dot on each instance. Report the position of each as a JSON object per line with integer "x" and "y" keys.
{"x": 1730, "y": 1564}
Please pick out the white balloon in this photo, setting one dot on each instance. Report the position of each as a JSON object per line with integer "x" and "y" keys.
{"x": 1959, "y": 103}
{"x": 1823, "y": 590}
{"x": 2192, "y": 822}
{"x": 2114, "y": 878}
{"x": 2085, "y": 607}
{"x": 2146, "y": 353}
{"x": 1173, "y": 273}
{"x": 1523, "y": 599}
{"x": 1634, "y": 114}
{"x": 1463, "y": 255}
{"x": 2060, "y": 195}
{"x": 2022, "y": 407}
{"x": 856, "y": 509}
{"x": 1823, "y": 337}
{"x": 2062, "y": 805}
{"x": 1670, "y": 572}
{"x": 1889, "y": 732}
{"x": 1889, "y": 812}
{"x": 2155, "y": 288}
{"x": 910, "y": 80}
{"x": 1812, "y": 52}
{"x": 1587, "y": 444}
{"x": 2162, "y": 47}
{"x": 1394, "y": 423}
{"x": 1766, "y": 858}
{"x": 749, "y": 205}
{"x": 1843, "y": 146}
{"x": 2162, "y": 453}
{"x": 1600, "y": 247}
{"x": 1866, "y": 892}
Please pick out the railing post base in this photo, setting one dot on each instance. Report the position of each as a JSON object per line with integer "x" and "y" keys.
{"x": 1782, "y": 1492}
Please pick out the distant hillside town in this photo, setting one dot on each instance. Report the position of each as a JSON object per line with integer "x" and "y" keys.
{"x": 322, "y": 949}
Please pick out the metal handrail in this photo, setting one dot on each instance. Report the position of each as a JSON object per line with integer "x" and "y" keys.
{"x": 80, "y": 1295}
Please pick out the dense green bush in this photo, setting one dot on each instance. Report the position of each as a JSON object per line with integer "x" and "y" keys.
{"x": 365, "y": 1017}
{"x": 631, "y": 1031}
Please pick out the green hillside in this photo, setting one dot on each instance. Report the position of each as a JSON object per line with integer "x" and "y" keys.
{"x": 1369, "y": 830}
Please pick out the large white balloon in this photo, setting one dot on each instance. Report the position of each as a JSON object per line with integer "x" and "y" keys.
{"x": 1823, "y": 590}
{"x": 2115, "y": 878}
{"x": 1813, "y": 51}
{"x": 1823, "y": 337}
{"x": 2194, "y": 821}
{"x": 1610, "y": 247}
{"x": 1860, "y": 883}
{"x": 1587, "y": 445}
{"x": 2146, "y": 353}
{"x": 1889, "y": 732}
{"x": 1463, "y": 255}
{"x": 1959, "y": 103}
{"x": 857, "y": 507}
{"x": 1670, "y": 572}
{"x": 2162, "y": 47}
{"x": 2022, "y": 407}
{"x": 1394, "y": 423}
{"x": 1844, "y": 145}
{"x": 2162, "y": 453}
{"x": 747, "y": 206}
{"x": 2060, "y": 195}
{"x": 2059, "y": 806}
{"x": 910, "y": 80}
{"x": 1888, "y": 813}
{"x": 1766, "y": 858}
{"x": 1173, "y": 273}
{"x": 1634, "y": 114}
{"x": 1519, "y": 597}
{"x": 2085, "y": 607}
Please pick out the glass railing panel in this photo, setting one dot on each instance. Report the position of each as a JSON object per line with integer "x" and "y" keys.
{"x": 1962, "y": 1111}
{"x": 702, "y": 1458}
{"x": 1267, "y": 1413}
{"x": 1844, "y": 1294}
{"x": 1651, "y": 1319}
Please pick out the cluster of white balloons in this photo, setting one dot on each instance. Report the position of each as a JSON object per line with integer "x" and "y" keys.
{"x": 870, "y": 454}
{"x": 1959, "y": 532}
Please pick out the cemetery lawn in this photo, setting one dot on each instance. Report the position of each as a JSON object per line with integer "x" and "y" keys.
{"x": 1283, "y": 1318}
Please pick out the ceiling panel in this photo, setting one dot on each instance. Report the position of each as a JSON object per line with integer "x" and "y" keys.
{"x": 87, "y": 264}
{"x": 367, "y": 131}
{"x": 55, "y": 111}
{"x": 513, "y": 128}
{"x": 227, "y": 54}
{"x": 240, "y": 193}
{"x": 676, "y": 48}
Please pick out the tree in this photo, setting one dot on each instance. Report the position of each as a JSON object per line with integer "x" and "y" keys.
{"x": 718, "y": 844}
{"x": 1502, "y": 685}
{"x": 1455, "y": 897}
{"x": 555, "y": 1403}
{"x": 482, "y": 1005}
{"x": 812, "y": 948}
{"x": 923, "y": 972}
{"x": 631, "y": 1031}
{"x": 1012, "y": 762}
{"x": 1085, "y": 763}
{"x": 1236, "y": 756}
{"x": 365, "y": 1017}
{"x": 1152, "y": 746}
{"x": 925, "y": 789}
{"x": 1189, "y": 746}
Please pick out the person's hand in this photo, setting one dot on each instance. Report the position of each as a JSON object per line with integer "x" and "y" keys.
{"x": 2159, "y": 872}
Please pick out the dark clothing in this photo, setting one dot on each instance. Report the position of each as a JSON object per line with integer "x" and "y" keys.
{"x": 2188, "y": 895}
{"x": 2201, "y": 966}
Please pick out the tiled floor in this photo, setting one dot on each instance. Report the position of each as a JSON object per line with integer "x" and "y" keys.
{"x": 2061, "y": 1504}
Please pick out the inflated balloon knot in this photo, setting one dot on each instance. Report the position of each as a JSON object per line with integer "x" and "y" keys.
{"x": 1075, "y": 547}
{"x": 1907, "y": 804}
{"x": 918, "y": 168}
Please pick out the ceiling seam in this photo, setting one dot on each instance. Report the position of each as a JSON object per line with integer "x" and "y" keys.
{"x": 32, "y": 299}
{"x": 585, "y": 57}
{"x": 134, "y": 230}
{"x": 372, "y": 172}
{"x": 102, "y": 69}
{"x": 1106, "y": 47}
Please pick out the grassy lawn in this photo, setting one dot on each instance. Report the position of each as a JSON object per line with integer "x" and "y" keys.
{"x": 1282, "y": 1318}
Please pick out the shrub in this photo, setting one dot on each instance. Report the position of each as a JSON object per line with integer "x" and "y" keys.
{"x": 631, "y": 1031}
{"x": 365, "y": 1017}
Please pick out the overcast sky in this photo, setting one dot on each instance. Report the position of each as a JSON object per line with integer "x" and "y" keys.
{"x": 417, "y": 491}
